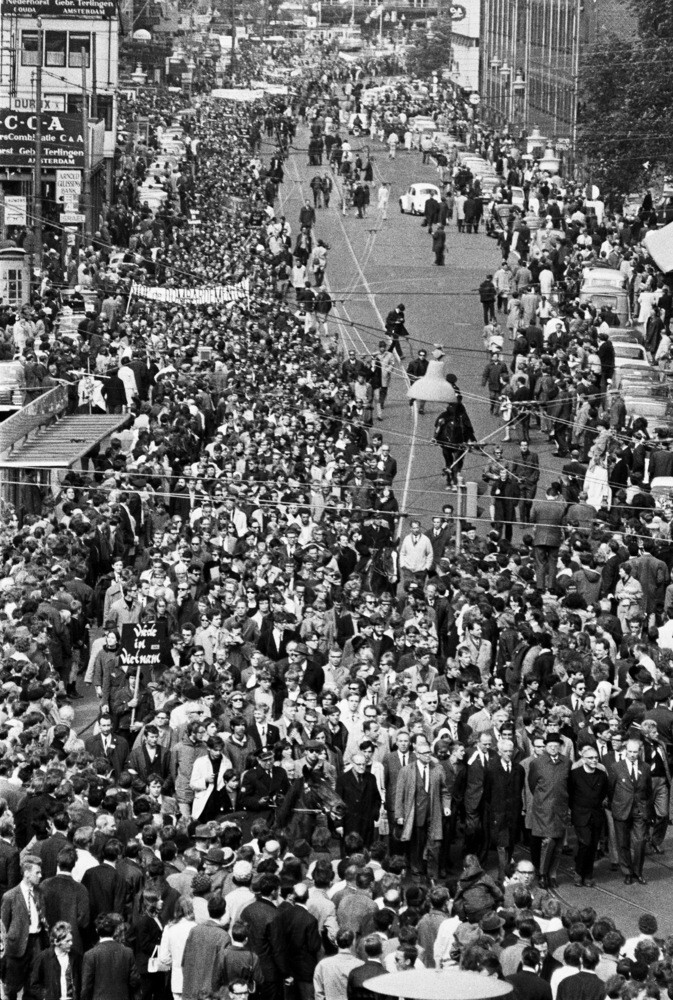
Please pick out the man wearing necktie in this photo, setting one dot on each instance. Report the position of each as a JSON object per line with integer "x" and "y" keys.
{"x": 393, "y": 762}
{"x": 476, "y": 823}
{"x": 630, "y": 793}
{"x": 23, "y": 926}
{"x": 421, "y": 801}
{"x": 503, "y": 793}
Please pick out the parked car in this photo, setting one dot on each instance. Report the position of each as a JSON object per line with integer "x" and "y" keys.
{"x": 421, "y": 123}
{"x": 607, "y": 295}
{"x": 626, "y": 377}
{"x": 627, "y": 334}
{"x": 664, "y": 210}
{"x": 630, "y": 355}
{"x": 594, "y": 277}
{"x": 650, "y": 401}
{"x": 413, "y": 201}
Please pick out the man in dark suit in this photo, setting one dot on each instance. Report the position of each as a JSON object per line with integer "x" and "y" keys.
{"x": 106, "y": 887}
{"x": 24, "y": 926}
{"x": 46, "y": 974}
{"x": 547, "y": 516}
{"x": 262, "y": 733}
{"x": 476, "y": 828}
{"x": 114, "y": 748}
{"x": 49, "y": 849}
{"x": 65, "y": 899}
{"x": 440, "y": 536}
{"x": 503, "y": 794}
{"x": 393, "y": 762}
{"x": 148, "y": 757}
{"x": 277, "y": 630}
{"x": 373, "y": 966}
{"x": 296, "y": 942}
{"x": 258, "y": 917}
{"x": 587, "y": 790}
{"x": 527, "y": 983}
{"x": 10, "y": 869}
{"x": 109, "y": 970}
{"x": 630, "y": 788}
{"x": 262, "y": 784}
{"x": 362, "y": 799}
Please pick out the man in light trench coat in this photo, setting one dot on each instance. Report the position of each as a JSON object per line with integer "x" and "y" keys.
{"x": 421, "y": 801}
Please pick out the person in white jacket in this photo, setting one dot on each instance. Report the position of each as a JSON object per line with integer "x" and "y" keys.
{"x": 207, "y": 780}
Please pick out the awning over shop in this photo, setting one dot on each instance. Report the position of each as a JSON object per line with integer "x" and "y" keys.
{"x": 659, "y": 245}
{"x": 61, "y": 444}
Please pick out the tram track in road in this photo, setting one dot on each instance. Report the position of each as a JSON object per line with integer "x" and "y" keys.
{"x": 350, "y": 334}
{"x": 622, "y": 897}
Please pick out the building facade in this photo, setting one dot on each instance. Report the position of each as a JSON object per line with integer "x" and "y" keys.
{"x": 71, "y": 33}
{"x": 465, "y": 43}
{"x": 531, "y": 56}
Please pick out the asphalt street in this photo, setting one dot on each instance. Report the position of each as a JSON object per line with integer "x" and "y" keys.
{"x": 372, "y": 266}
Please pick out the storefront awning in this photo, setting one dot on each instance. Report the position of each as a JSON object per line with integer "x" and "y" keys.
{"x": 61, "y": 444}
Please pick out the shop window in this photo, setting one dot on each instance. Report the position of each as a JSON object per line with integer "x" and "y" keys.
{"x": 54, "y": 47}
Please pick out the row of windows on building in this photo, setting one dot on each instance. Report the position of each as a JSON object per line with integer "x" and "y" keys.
{"x": 60, "y": 48}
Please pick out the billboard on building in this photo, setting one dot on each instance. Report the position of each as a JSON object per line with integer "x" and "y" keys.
{"x": 89, "y": 9}
{"x": 62, "y": 140}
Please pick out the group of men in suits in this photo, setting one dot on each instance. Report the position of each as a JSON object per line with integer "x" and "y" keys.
{"x": 44, "y": 954}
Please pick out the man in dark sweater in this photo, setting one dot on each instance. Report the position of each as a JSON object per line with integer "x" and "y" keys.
{"x": 585, "y": 985}
{"x": 527, "y": 983}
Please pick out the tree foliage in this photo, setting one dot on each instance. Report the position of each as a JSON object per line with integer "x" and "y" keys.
{"x": 432, "y": 52}
{"x": 626, "y": 100}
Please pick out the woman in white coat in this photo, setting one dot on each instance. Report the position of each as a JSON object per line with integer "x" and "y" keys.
{"x": 207, "y": 780}
{"x": 596, "y": 484}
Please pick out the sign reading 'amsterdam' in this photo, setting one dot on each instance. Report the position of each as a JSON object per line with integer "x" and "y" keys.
{"x": 59, "y": 8}
{"x": 62, "y": 140}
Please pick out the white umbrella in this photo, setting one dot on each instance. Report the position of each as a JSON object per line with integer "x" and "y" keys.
{"x": 438, "y": 984}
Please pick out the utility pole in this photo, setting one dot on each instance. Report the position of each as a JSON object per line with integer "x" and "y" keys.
{"x": 37, "y": 169}
{"x": 460, "y": 501}
{"x": 233, "y": 36}
{"x": 94, "y": 83}
{"x": 86, "y": 173}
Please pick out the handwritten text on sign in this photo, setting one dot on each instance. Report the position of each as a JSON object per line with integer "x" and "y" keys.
{"x": 143, "y": 645}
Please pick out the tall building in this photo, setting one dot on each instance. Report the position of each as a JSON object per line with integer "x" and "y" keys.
{"x": 69, "y": 33}
{"x": 531, "y": 56}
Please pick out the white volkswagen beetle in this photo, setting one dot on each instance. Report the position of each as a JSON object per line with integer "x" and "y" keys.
{"x": 413, "y": 201}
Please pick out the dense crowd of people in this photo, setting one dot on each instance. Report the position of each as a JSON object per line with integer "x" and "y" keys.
{"x": 356, "y": 752}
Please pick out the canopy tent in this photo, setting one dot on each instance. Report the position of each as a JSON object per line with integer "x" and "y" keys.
{"x": 659, "y": 245}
